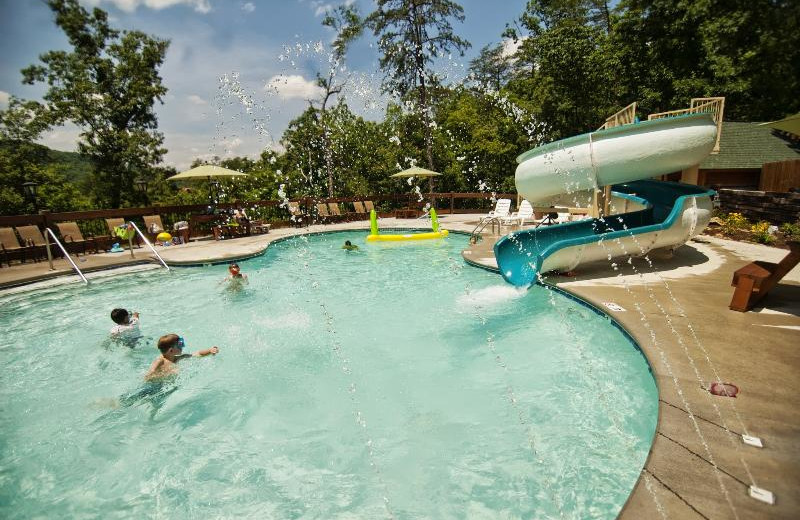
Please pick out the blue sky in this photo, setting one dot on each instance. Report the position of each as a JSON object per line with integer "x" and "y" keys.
{"x": 237, "y": 71}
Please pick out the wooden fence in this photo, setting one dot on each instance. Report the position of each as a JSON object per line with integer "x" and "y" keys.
{"x": 273, "y": 211}
{"x": 780, "y": 176}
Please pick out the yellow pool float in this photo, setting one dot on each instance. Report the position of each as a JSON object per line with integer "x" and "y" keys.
{"x": 375, "y": 236}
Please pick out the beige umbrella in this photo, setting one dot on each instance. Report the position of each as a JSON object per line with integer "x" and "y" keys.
{"x": 206, "y": 171}
{"x": 416, "y": 171}
{"x": 789, "y": 124}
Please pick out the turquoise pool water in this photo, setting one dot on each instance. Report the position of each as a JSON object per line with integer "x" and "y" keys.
{"x": 393, "y": 382}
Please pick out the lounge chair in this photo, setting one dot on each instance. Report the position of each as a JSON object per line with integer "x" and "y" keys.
{"x": 360, "y": 210}
{"x": 9, "y": 245}
{"x": 73, "y": 239}
{"x": 113, "y": 224}
{"x": 525, "y": 212}
{"x": 502, "y": 209}
{"x": 152, "y": 226}
{"x": 34, "y": 240}
{"x": 368, "y": 205}
{"x": 333, "y": 209}
{"x": 322, "y": 211}
{"x": 296, "y": 213}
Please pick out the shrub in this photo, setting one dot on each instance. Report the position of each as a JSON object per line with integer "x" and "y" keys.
{"x": 761, "y": 233}
{"x": 791, "y": 230}
{"x": 733, "y": 222}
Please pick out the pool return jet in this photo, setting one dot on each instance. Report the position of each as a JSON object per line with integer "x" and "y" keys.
{"x": 375, "y": 236}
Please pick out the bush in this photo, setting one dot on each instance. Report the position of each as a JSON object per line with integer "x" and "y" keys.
{"x": 761, "y": 232}
{"x": 733, "y": 222}
{"x": 791, "y": 231}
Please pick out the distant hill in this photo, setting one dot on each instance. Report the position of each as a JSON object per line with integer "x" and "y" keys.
{"x": 72, "y": 165}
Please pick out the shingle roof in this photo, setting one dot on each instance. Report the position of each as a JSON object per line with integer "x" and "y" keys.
{"x": 747, "y": 145}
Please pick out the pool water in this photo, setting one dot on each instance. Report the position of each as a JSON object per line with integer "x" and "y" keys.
{"x": 392, "y": 382}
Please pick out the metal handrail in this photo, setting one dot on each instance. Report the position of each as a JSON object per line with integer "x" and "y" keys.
{"x": 48, "y": 231}
{"x": 150, "y": 245}
{"x": 476, "y": 233}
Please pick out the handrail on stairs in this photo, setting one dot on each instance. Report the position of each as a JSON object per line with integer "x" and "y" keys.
{"x": 49, "y": 233}
{"x": 150, "y": 245}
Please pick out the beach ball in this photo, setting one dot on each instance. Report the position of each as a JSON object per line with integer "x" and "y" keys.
{"x": 164, "y": 237}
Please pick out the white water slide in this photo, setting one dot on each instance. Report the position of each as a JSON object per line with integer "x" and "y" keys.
{"x": 620, "y": 157}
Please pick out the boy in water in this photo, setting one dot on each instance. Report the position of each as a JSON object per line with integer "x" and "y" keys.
{"x": 236, "y": 279}
{"x": 127, "y": 325}
{"x": 171, "y": 347}
{"x": 348, "y": 246}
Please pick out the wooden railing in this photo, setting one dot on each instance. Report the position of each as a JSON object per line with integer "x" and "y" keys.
{"x": 624, "y": 117}
{"x": 93, "y": 222}
{"x": 711, "y": 105}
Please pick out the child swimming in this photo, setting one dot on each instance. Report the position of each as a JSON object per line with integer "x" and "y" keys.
{"x": 127, "y": 326}
{"x": 171, "y": 347}
{"x": 236, "y": 279}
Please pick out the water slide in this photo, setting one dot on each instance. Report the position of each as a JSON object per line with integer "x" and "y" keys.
{"x": 624, "y": 157}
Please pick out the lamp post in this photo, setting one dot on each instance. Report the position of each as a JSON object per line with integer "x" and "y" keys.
{"x": 140, "y": 183}
{"x": 30, "y": 192}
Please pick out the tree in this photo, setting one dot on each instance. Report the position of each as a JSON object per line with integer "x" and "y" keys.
{"x": 747, "y": 51}
{"x": 491, "y": 69}
{"x": 411, "y": 34}
{"x": 347, "y": 24}
{"x": 107, "y": 86}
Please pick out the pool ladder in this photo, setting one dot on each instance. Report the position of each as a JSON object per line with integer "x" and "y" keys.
{"x": 49, "y": 234}
{"x": 475, "y": 236}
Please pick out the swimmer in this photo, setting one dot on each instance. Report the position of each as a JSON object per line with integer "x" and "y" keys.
{"x": 236, "y": 279}
{"x": 348, "y": 246}
{"x": 171, "y": 347}
{"x": 127, "y": 326}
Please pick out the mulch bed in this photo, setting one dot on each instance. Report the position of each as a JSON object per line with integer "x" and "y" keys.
{"x": 744, "y": 235}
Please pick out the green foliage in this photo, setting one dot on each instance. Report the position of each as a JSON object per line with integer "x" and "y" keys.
{"x": 791, "y": 230}
{"x": 761, "y": 232}
{"x": 410, "y": 36}
{"x": 732, "y": 222}
{"x": 107, "y": 86}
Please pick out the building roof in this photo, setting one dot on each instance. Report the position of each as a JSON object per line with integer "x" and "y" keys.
{"x": 748, "y": 146}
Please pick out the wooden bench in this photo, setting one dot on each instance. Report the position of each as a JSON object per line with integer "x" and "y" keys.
{"x": 756, "y": 279}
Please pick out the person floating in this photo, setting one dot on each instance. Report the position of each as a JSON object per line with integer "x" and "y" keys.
{"x": 171, "y": 347}
{"x": 348, "y": 246}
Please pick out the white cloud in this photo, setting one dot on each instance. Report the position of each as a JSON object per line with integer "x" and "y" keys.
{"x": 4, "y": 99}
{"x": 510, "y": 47}
{"x": 248, "y": 7}
{"x": 321, "y": 8}
{"x": 129, "y": 6}
{"x": 293, "y": 86}
{"x": 196, "y": 100}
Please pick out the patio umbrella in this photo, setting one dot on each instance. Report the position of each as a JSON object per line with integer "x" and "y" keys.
{"x": 416, "y": 171}
{"x": 206, "y": 171}
{"x": 789, "y": 124}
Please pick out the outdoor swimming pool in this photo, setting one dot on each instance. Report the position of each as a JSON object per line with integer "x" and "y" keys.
{"x": 391, "y": 382}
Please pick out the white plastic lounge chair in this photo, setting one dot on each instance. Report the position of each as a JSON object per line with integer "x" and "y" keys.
{"x": 501, "y": 210}
{"x": 525, "y": 212}
{"x": 564, "y": 218}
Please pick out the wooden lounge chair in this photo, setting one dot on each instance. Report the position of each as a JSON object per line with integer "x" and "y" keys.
{"x": 152, "y": 226}
{"x": 296, "y": 214}
{"x": 34, "y": 240}
{"x": 73, "y": 239}
{"x": 322, "y": 212}
{"x": 368, "y": 205}
{"x": 9, "y": 245}
{"x": 333, "y": 209}
{"x": 756, "y": 279}
{"x": 112, "y": 224}
{"x": 360, "y": 210}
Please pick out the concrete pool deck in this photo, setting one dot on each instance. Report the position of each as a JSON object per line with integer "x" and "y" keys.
{"x": 698, "y": 466}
